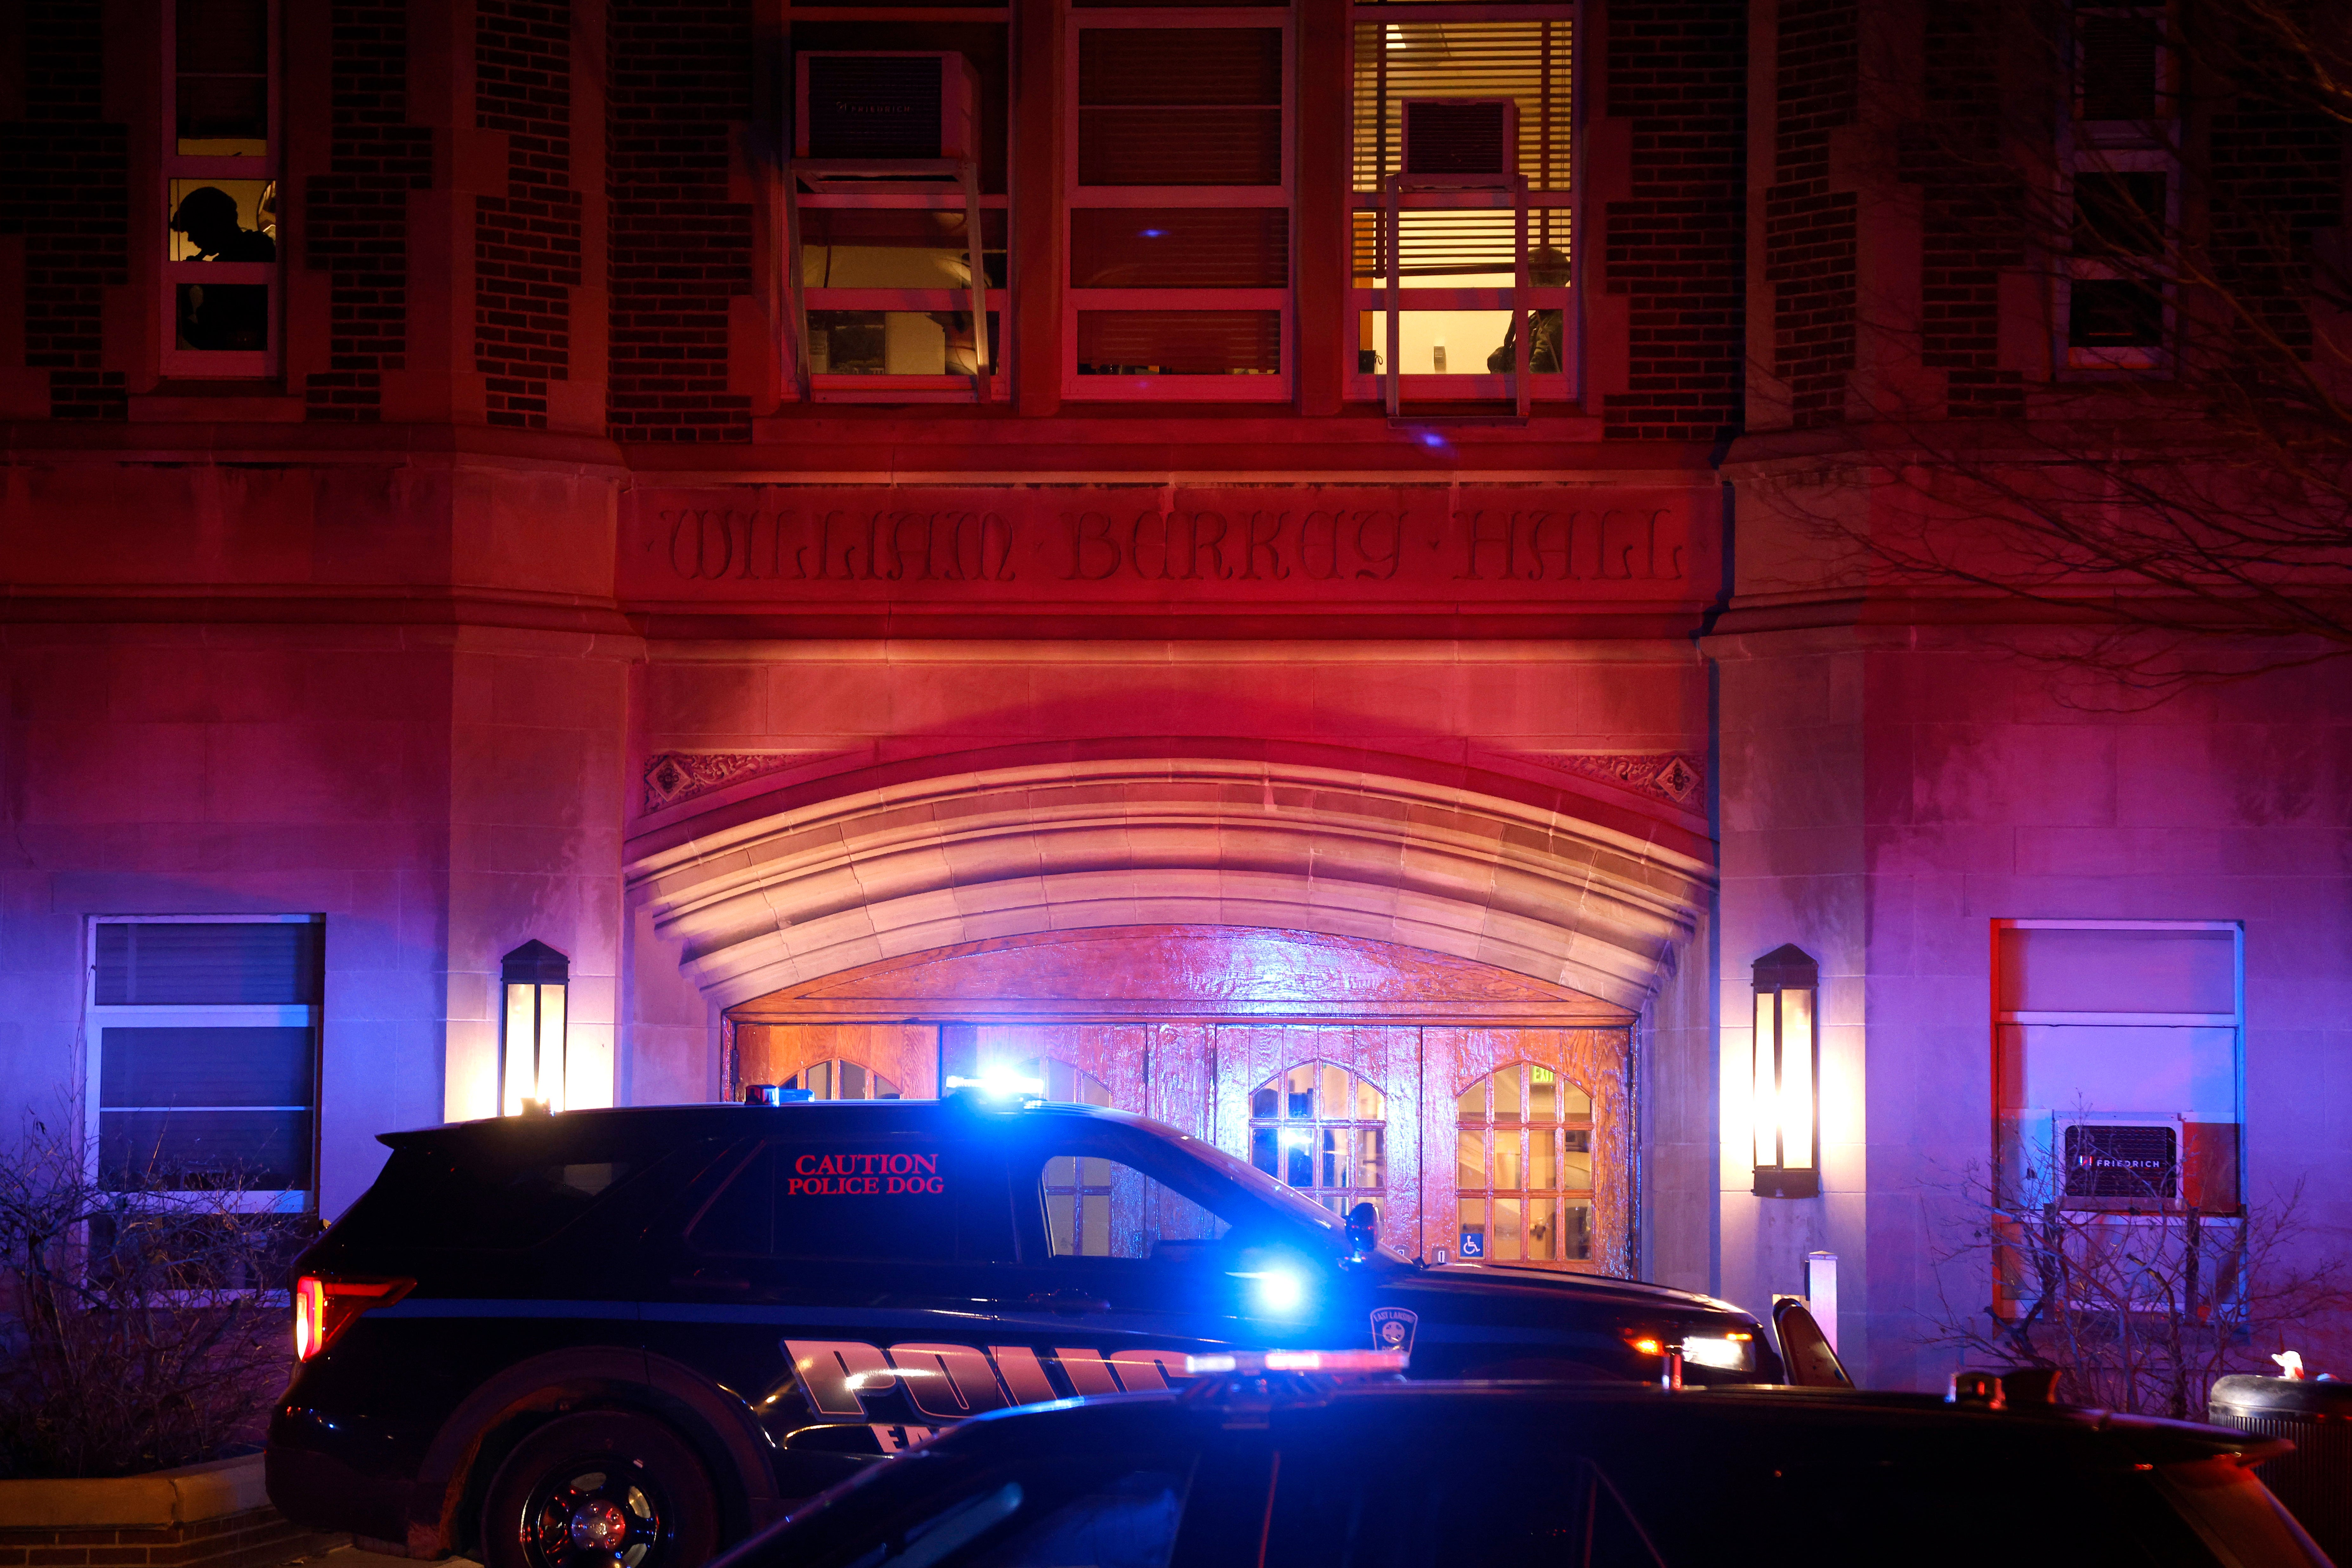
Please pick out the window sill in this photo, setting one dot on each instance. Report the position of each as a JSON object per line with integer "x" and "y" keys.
{"x": 214, "y": 406}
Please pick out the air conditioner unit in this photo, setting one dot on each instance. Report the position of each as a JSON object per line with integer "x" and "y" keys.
{"x": 885, "y": 104}
{"x": 1461, "y": 136}
{"x": 2118, "y": 1163}
{"x": 2126, "y": 1163}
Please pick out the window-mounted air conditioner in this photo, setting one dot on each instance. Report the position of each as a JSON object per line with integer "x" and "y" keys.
{"x": 885, "y": 104}
{"x": 2123, "y": 1163}
{"x": 1461, "y": 136}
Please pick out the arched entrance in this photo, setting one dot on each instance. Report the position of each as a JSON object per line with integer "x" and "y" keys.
{"x": 1232, "y": 945}
{"x": 1479, "y": 1111}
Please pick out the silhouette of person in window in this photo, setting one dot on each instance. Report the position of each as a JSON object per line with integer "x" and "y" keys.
{"x": 207, "y": 215}
{"x": 222, "y": 315}
{"x": 1547, "y": 268}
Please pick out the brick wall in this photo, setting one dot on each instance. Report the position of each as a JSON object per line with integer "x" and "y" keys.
{"x": 680, "y": 248}
{"x": 1677, "y": 245}
{"x": 527, "y": 242}
{"x": 2277, "y": 176}
{"x": 358, "y": 210}
{"x": 1809, "y": 228}
{"x": 1970, "y": 230}
{"x": 65, "y": 186}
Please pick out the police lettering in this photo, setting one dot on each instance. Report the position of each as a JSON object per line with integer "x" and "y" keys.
{"x": 865, "y": 1175}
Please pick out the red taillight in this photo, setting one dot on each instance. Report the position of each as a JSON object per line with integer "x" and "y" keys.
{"x": 324, "y": 1308}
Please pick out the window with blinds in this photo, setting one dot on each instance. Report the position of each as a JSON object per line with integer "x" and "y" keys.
{"x": 1456, "y": 251}
{"x": 1180, "y": 184}
{"x": 203, "y": 1055}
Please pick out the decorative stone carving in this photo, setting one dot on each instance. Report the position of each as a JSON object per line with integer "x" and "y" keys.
{"x": 672, "y": 777}
{"x": 1667, "y": 774}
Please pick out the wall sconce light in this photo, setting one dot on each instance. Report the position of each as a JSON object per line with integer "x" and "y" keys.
{"x": 531, "y": 1071}
{"x": 1787, "y": 1075}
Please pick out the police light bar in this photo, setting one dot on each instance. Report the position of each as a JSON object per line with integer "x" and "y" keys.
{"x": 1256, "y": 1363}
{"x": 999, "y": 1083}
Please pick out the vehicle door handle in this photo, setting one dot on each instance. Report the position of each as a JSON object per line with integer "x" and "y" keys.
{"x": 1068, "y": 1303}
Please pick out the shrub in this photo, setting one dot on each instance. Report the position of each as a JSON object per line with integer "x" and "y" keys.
{"x": 142, "y": 1325}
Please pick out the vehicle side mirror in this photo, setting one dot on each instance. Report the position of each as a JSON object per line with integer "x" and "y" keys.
{"x": 1363, "y": 1229}
{"x": 1806, "y": 1359}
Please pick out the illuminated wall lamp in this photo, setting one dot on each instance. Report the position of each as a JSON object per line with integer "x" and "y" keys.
{"x": 530, "y": 1069}
{"x": 1787, "y": 1075}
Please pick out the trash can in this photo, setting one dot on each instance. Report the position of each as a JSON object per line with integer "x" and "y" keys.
{"x": 2315, "y": 1480}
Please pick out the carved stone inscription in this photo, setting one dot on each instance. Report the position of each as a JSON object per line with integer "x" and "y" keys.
{"x": 1297, "y": 544}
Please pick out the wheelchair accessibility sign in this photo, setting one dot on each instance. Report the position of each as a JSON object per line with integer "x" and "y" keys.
{"x": 1474, "y": 1244}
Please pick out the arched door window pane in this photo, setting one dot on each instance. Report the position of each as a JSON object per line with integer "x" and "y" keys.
{"x": 1523, "y": 1171}
{"x": 1324, "y": 1130}
{"x": 840, "y": 1079}
{"x": 1078, "y": 1187}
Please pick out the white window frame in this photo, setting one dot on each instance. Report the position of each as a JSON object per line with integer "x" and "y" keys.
{"x": 97, "y": 1019}
{"x": 224, "y": 363}
{"x": 2234, "y": 1021}
{"x": 938, "y": 194}
{"x": 1276, "y": 388}
{"x": 2010, "y": 1303}
{"x": 1564, "y": 385}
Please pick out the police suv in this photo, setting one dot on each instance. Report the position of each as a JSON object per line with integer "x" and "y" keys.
{"x": 625, "y": 1337}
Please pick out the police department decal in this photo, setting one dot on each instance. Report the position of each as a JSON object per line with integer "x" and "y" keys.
{"x": 1393, "y": 1328}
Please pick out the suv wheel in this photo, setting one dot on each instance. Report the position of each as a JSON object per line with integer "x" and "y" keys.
{"x": 602, "y": 1489}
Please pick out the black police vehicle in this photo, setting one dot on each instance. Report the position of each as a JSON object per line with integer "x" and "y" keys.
{"x": 528, "y": 1332}
{"x": 1285, "y": 1471}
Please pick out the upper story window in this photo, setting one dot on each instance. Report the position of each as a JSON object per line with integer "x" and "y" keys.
{"x": 1476, "y": 117}
{"x": 896, "y": 207}
{"x": 1179, "y": 183}
{"x": 2120, "y": 169}
{"x": 203, "y": 1037}
{"x": 221, "y": 158}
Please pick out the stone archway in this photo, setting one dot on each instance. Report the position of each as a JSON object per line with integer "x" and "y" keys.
{"x": 1507, "y": 932}
{"x": 878, "y": 870}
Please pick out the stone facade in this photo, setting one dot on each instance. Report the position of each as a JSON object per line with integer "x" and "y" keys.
{"x": 533, "y": 599}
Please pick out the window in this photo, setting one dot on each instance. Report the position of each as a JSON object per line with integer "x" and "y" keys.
{"x": 885, "y": 1198}
{"x": 1523, "y": 1173}
{"x": 203, "y": 1057}
{"x": 1322, "y": 1130}
{"x": 2119, "y": 1045}
{"x": 1100, "y": 1207}
{"x": 2120, "y": 170}
{"x": 895, "y": 204}
{"x": 1179, "y": 180}
{"x": 843, "y": 1080}
{"x": 221, "y": 163}
{"x": 2118, "y": 1064}
{"x": 1464, "y": 1499}
{"x": 1073, "y": 1511}
{"x": 1458, "y": 248}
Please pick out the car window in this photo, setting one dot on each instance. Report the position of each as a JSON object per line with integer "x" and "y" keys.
{"x": 1097, "y": 1206}
{"x": 2232, "y": 1509}
{"x": 889, "y": 1197}
{"x": 481, "y": 1201}
{"x": 1120, "y": 1513}
{"x": 1918, "y": 1502}
{"x": 1345, "y": 1506}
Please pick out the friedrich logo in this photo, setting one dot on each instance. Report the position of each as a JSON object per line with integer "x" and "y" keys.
{"x": 949, "y": 1381}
